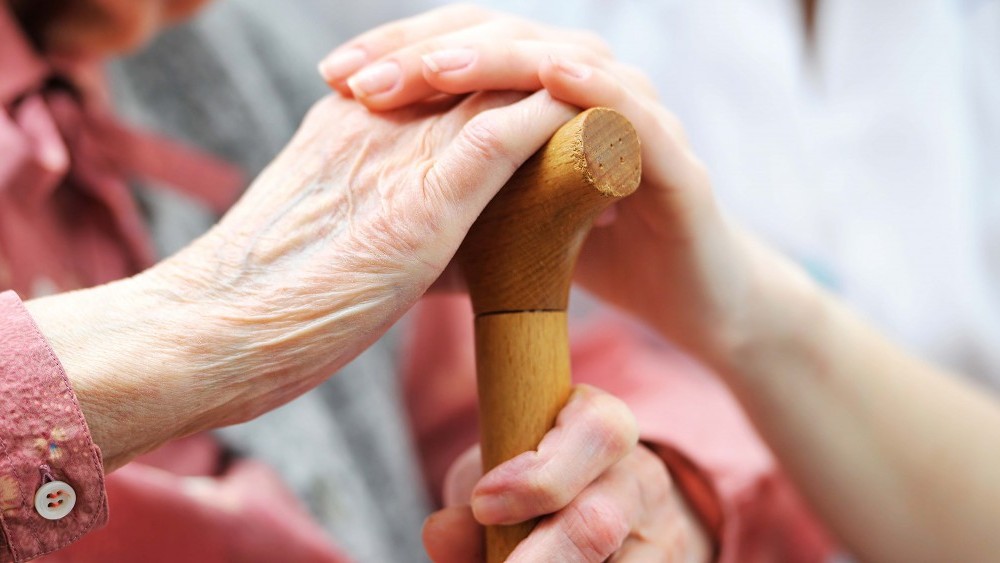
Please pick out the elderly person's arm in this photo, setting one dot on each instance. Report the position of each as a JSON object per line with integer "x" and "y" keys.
{"x": 900, "y": 457}
{"x": 328, "y": 247}
{"x": 331, "y": 244}
{"x": 338, "y": 237}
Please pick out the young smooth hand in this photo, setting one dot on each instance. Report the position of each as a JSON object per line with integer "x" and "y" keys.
{"x": 669, "y": 257}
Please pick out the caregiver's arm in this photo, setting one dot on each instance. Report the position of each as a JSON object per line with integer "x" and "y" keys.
{"x": 900, "y": 458}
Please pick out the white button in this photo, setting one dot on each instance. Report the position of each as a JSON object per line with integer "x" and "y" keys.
{"x": 55, "y": 500}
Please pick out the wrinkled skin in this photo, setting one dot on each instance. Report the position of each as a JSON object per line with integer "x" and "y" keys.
{"x": 601, "y": 496}
{"x": 345, "y": 231}
{"x": 331, "y": 244}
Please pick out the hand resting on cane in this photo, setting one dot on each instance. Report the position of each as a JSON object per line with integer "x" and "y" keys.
{"x": 330, "y": 245}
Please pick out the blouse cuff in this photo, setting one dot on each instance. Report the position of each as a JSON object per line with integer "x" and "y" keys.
{"x": 698, "y": 490}
{"x": 51, "y": 472}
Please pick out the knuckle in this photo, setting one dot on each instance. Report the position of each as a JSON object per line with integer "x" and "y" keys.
{"x": 482, "y": 136}
{"x": 504, "y": 26}
{"x": 617, "y": 92}
{"x": 392, "y": 34}
{"x": 470, "y": 10}
{"x": 438, "y": 188}
{"x": 596, "y": 528}
{"x": 544, "y": 495}
{"x": 484, "y": 105}
{"x": 579, "y": 53}
{"x": 612, "y": 422}
{"x": 653, "y": 476}
{"x": 595, "y": 42}
{"x": 426, "y": 46}
{"x": 510, "y": 27}
{"x": 640, "y": 79}
{"x": 466, "y": 10}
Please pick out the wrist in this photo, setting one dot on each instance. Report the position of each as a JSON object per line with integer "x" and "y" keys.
{"x": 731, "y": 296}
{"x": 783, "y": 314}
{"x": 256, "y": 334}
{"x": 127, "y": 361}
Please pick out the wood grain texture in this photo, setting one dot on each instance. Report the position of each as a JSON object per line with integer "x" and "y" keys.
{"x": 518, "y": 262}
{"x": 519, "y": 255}
{"x": 524, "y": 380}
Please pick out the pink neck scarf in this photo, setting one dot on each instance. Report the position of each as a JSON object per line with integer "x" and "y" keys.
{"x": 57, "y": 133}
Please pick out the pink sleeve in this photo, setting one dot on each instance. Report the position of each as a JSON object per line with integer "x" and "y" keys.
{"x": 44, "y": 442}
{"x": 686, "y": 415}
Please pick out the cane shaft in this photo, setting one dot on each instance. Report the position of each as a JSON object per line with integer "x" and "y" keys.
{"x": 522, "y": 364}
{"x": 518, "y": 262}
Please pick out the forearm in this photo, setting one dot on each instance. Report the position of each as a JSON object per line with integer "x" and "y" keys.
{"x": 342, "y": 233}
{"x": 187, "y": 346}
{"x": 899, "y": 457}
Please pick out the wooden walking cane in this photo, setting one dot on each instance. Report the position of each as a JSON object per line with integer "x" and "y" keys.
{"x": 518, "y": 262}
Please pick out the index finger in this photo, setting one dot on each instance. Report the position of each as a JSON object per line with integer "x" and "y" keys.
{"x": 343, "y": 61}
{"x": 593, "y": 432}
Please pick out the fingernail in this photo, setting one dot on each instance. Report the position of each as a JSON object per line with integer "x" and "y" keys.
{"x": 341, "y": 64}
{"x": 449, "y": 59}
{"x": 490, "y": 509}
{"x": 375, "y": 79}
{"x": 574, "y": 70}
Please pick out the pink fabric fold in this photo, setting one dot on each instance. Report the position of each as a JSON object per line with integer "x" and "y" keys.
{"x": 59, "y": 140}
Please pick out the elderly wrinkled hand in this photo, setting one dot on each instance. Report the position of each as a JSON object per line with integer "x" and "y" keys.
{"x": 600, "y": 495}
{"x": 332, "y": 243}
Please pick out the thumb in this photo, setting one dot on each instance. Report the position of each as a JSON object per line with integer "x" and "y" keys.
{"x": 462, "y": 477}
{"x": 452, "y": 535}
{"x": 490, "y": 147}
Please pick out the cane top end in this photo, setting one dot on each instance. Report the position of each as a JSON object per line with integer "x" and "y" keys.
{"x": 519, "y": 255}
